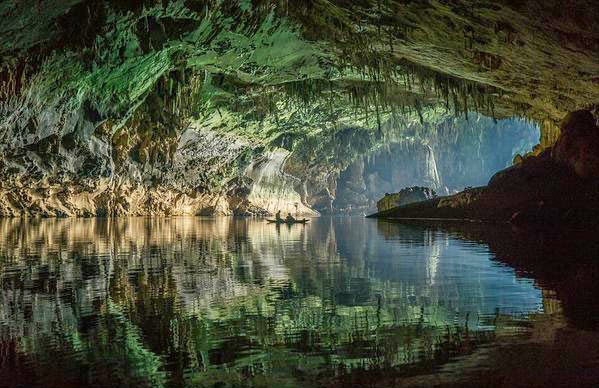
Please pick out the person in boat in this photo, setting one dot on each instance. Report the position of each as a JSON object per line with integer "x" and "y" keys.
{"x": 289, "y": 218}
{"x": 278, "y": 217}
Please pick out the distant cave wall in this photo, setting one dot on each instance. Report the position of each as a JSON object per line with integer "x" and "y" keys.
{"x": 447, "y": 158}
{"x": 469, "y": 152}
{"x": 316, "y": 160}
{"x": 397, "y": 166}
{"x": 272, "y": 190}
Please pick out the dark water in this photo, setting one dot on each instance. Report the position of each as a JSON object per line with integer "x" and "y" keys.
{"x": 339, "y": 302}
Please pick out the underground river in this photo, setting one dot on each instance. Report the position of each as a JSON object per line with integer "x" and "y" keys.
{"x": 342, "y": 301}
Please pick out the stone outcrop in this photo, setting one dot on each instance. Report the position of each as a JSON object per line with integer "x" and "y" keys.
{"x": 70, "y": 164}
{"x": 405, "y": 197}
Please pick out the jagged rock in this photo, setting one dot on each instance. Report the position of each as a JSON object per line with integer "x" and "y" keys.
{"x": 128, "y": 173}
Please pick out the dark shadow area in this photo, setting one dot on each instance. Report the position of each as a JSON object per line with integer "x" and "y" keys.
{"x": 559, "y": 353}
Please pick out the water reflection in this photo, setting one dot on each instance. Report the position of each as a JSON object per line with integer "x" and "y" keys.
{"x": 198, "y": 302}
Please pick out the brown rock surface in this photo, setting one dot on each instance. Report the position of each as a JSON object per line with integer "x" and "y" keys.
{"x": 578, "y": 144}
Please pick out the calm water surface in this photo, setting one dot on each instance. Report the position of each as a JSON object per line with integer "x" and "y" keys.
{"x": 176, "y": 302}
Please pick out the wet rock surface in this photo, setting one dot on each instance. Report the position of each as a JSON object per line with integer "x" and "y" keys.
{"x": 272, "y": 189}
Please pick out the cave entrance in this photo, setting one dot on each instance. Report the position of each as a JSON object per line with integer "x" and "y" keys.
{"x": 445, "y": 158}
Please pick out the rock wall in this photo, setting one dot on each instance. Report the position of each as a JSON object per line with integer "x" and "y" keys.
{"x": 558, "y": 188}
{"x": 95, "y": 97}
{"x": 578, "y": 144}
{"x": 272, "y": 189}
{"x": 391, "y": 169}
{"x": 65, "y": 164}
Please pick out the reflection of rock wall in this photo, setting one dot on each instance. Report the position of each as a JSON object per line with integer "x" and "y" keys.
{"x": 212, "y": 292}
{"x": 208, "y": 261}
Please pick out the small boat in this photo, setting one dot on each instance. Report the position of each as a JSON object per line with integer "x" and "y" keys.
{"x": 303, "y": 221}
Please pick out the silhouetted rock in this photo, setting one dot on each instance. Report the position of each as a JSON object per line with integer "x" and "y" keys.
{"x": 405, "y": 197}
{"x": 578, "y": 144}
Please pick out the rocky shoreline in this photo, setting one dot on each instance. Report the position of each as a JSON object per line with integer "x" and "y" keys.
{"x": 558, "y": 187}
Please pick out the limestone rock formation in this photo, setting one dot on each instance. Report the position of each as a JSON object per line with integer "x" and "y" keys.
{"x": 447, "y": 157}
{"x": 272, "y": 189}
{"x": 91, "y": 174}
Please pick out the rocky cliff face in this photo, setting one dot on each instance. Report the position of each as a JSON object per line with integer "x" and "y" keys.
{"x": 81, "y": 170}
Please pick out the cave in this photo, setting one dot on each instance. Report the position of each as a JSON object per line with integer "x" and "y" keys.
{"x": 240, "y": 193}
{"x": 442, "y": 159}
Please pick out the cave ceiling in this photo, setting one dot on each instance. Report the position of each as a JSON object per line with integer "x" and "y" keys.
{"x": 299, "y": 64}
